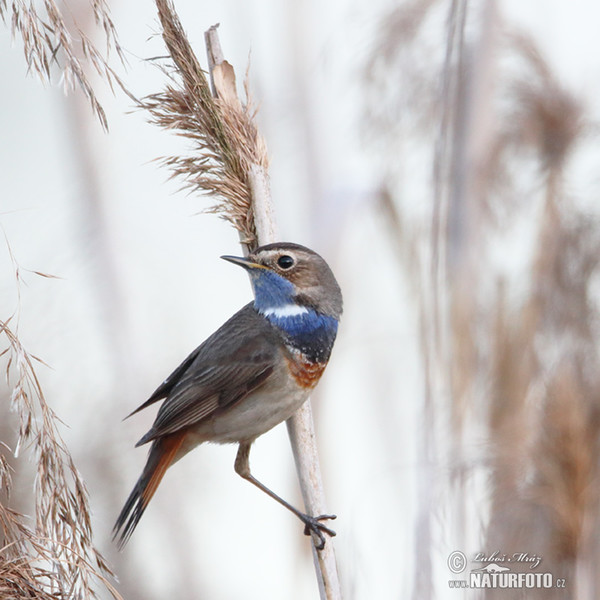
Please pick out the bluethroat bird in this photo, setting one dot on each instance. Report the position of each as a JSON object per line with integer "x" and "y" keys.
{"x": 254, "y": 372}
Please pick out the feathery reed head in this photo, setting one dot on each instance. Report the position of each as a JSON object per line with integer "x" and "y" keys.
{"x": 224, "y": 139}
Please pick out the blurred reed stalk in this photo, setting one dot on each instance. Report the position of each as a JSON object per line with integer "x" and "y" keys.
{"x": 228, "y": 162}
{"x": 511, "y": 394}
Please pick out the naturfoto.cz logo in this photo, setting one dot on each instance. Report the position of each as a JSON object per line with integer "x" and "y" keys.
{"x": 496, "y": 575}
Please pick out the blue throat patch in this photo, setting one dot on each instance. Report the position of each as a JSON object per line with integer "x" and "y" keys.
{"x": 270, "y": 290}
{"x": 309, "y": 331}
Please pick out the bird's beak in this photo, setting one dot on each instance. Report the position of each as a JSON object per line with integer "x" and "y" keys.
{"x": 242, "y": 262}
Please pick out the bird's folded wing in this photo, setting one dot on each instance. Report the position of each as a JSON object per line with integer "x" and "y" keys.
{"x": 193, "y": 400}
{"x": 235, "y": 360}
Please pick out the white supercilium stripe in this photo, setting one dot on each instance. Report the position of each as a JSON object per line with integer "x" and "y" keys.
{"x": 287, "y": 310}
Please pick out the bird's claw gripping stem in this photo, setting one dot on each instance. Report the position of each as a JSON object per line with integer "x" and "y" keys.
{"x": 314, "y": 525}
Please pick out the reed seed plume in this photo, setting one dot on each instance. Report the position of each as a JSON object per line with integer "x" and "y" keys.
{"x": 544, "y": 415}
{"x": 224, "y": 140}
{"x": 51, "y": 38}
{"x": 52, "y": 556}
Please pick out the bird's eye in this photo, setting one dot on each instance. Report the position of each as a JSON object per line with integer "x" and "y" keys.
{"x": 285, "y": 261}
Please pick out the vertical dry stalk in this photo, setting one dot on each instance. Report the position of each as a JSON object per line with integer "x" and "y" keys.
{"x": 55, "y": 556}
{"x": 516, "y": 356}
{"x": 229, "y": 162}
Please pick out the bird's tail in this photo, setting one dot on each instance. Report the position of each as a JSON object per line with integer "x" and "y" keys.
{"x": 162, "y": 454}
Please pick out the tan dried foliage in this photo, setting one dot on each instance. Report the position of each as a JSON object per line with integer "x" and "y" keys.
{"x": 545, "y": 412}
{"x": 50, "y": 37}
{"x": 224, "y": 140}
{"x": 54, "y": 556}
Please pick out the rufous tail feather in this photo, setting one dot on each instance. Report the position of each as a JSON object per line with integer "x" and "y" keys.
{"x": 162, "y": 453}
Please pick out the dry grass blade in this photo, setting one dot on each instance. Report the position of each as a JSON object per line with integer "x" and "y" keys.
{"x": 61, "y": 539}
{"x": 19, "y": 579}
{"x": 225, "y": 141}
{"x": 50, "y": 38}
{"x": 53, "y": 557}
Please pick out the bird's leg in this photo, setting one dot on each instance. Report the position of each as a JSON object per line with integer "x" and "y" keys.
{"x": 311, "y": 524}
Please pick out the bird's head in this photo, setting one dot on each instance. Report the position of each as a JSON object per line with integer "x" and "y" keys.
{"x": 286, "y": 277}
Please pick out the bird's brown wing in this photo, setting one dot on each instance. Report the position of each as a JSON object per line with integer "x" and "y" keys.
{"x": 235, "y": 360}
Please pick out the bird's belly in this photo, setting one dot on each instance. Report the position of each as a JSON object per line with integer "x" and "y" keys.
{"x": 258, "y": 412}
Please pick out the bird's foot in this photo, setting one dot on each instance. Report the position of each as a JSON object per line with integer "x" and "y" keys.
{"x": 314, "y": 525}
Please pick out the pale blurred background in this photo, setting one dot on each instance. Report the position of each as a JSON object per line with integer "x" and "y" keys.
{"x": 349, "y": 98}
